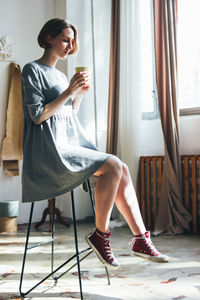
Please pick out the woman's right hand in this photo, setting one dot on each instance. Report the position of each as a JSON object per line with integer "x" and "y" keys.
{"x": 77, "y": 84}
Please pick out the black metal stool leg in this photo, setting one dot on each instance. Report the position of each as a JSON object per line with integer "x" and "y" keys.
{"x": 25, "y": 250}
{"x": 76, "y": 244}
{"x": 93, "y": 208}
{"x": 52, "y": 236}
{"x": 27, "y": 247}
{"x": 91, "y": 196}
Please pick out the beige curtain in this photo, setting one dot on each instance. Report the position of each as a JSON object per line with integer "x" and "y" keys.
{"x": 12, "y": 143}
{"x": 113, "y": 97}
{"x": 172, "y": 216}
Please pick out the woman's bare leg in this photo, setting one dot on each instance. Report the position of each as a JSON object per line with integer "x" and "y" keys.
{"x": 127, "y": 203}
{"x": 114, "y": 185}
{"x": 109, "y": 177}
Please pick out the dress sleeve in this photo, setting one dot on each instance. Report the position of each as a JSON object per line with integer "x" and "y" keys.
{"x": 32, "y": 92}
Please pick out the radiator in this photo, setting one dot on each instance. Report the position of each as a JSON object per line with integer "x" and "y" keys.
{"x": 149, "y": 182}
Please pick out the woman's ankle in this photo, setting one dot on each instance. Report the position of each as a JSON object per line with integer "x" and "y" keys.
{"x": 102, "y": 230}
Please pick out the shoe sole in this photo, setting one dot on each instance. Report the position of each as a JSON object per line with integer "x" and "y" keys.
{"x": 151, "y": 258}
{"x": 103, "y": 261}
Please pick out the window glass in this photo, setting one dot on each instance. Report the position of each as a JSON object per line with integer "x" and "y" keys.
{"x": 188, "y": 47}
{"x": 148, "y": 103}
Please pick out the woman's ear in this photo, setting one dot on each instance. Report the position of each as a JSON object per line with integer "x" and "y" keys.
{"x": 49, "y": 39}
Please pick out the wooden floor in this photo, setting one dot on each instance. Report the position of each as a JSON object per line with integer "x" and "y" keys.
{"x": 136, "y": 278}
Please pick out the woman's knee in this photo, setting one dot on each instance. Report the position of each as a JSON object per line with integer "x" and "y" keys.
{"x": 115, "y": 167}
{"x": 125, "y": 173}
{"x": 112, "y": 166}
{"x": 125, "y": 169}
{"x": 119, "y": 167}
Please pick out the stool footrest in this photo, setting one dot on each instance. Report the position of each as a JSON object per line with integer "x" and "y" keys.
{"x": 39, "y": 244}
{"x": 57, "y": 269}
{"x": 56, "y": 278}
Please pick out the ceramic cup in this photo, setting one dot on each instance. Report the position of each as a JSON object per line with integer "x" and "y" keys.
{"x": 81, "y": 69}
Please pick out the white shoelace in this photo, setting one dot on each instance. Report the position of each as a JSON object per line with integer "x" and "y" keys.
{"x": 108, "y": 249}
{"x": 148, "y": 243}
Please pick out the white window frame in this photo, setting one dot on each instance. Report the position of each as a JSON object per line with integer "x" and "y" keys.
{"x": 155, "y": 114}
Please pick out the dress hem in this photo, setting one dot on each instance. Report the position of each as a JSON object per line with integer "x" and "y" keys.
{"x": 68, "y": 189}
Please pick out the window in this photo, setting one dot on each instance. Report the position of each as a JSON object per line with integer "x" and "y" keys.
{"x": 149, "y": 95}
{"x": 188, "y": 53}
{"x": 188, "y": 46}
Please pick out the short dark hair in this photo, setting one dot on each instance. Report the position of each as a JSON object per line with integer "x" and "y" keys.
{"x": 53, "y": 28}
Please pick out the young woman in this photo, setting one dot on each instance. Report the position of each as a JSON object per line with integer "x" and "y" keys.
{"x": 58, "y": 156}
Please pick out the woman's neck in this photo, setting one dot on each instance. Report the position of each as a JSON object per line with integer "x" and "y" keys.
{"x": 49, "y": 59}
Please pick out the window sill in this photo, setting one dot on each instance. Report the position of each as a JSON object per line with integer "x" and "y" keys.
{"x": 189, "y": 111}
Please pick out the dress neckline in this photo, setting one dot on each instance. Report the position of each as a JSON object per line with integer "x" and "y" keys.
{"x": 38, "y": 61}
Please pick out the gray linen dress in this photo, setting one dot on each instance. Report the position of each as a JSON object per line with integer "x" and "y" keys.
{"x": 57, "y": 154}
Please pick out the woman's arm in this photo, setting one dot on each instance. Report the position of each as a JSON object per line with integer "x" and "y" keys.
{"x": 78, "y": 98}
{"x": 52, "y": 107}
{"x": 76, "y": 89}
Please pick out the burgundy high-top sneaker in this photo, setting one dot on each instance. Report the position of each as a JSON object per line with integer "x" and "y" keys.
{"x": 100, "y": 243}
{"x": 144, "y": 247}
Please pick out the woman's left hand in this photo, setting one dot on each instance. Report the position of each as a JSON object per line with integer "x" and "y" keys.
{"x": 86, "y": 87}
{"x": 82, "y": 91}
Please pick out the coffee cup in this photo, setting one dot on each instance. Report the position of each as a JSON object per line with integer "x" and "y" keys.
{"x": 81, "y": 69}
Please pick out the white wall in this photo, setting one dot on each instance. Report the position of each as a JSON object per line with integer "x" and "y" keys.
{"x": 152, "y": 137}
{"x": 21, "y": 20}
{"x": 189, "y": 134}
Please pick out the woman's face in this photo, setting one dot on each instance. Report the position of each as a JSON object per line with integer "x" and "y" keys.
{"x": 62, "y": 44}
